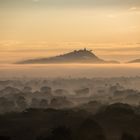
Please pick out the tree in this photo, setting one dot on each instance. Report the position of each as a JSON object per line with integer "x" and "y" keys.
{"x": 6, "y": 105}
{"x": 46, "y": 90}
{"x": 90, "y": 130}
{"x": 21, "y": 103}
{"x": 43, "y": 103}
{"x": 27, "y": 89}
{"x": 127, "y": 136}
{"x": 59, "y": 133}
{"x": 34, "y": 103}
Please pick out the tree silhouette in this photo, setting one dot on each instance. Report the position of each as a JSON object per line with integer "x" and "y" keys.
{"x": 127, "y": 136}
{"x": 90, "y": 130}
{"x": 59, "y": 133}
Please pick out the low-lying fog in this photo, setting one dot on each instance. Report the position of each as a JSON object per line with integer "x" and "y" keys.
{"x": 20, "y": 94}
{"x": 76, "y": 106}
{"x": 69, "y": 70}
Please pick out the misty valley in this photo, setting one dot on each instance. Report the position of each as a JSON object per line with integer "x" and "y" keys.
{"x": 70, "y": 108}
{"x": 69, "y": 69}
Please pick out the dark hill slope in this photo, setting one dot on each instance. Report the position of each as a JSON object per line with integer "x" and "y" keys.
{"x": 77, "y": 56}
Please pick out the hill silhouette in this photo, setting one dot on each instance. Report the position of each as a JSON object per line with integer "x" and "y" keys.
{"x": 135, "y": 61}
{"x": 76, "y": 56}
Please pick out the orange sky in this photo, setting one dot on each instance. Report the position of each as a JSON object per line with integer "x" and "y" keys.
{"x": 39, "y": 28}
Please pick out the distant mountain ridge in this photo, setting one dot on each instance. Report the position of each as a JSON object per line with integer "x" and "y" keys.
{"x": 76, "y": 56}
{"x": 135, "y": 61}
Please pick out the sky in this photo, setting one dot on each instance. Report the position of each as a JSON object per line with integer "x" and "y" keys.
{"x": 43, "y": 28}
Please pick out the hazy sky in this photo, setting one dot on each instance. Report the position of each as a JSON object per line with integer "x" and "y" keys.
{"x": 38, "y": 28}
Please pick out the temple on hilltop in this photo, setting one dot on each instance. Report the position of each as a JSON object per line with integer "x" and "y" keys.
{"x": 83, "y": 50}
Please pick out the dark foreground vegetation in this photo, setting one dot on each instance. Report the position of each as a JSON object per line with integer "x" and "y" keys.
{"x": 111, "y": 122}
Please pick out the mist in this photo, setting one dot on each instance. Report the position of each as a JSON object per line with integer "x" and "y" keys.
{"x": 69, "y": 70}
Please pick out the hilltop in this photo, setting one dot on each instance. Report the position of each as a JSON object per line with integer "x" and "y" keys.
{"x": 76, "y": 56}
